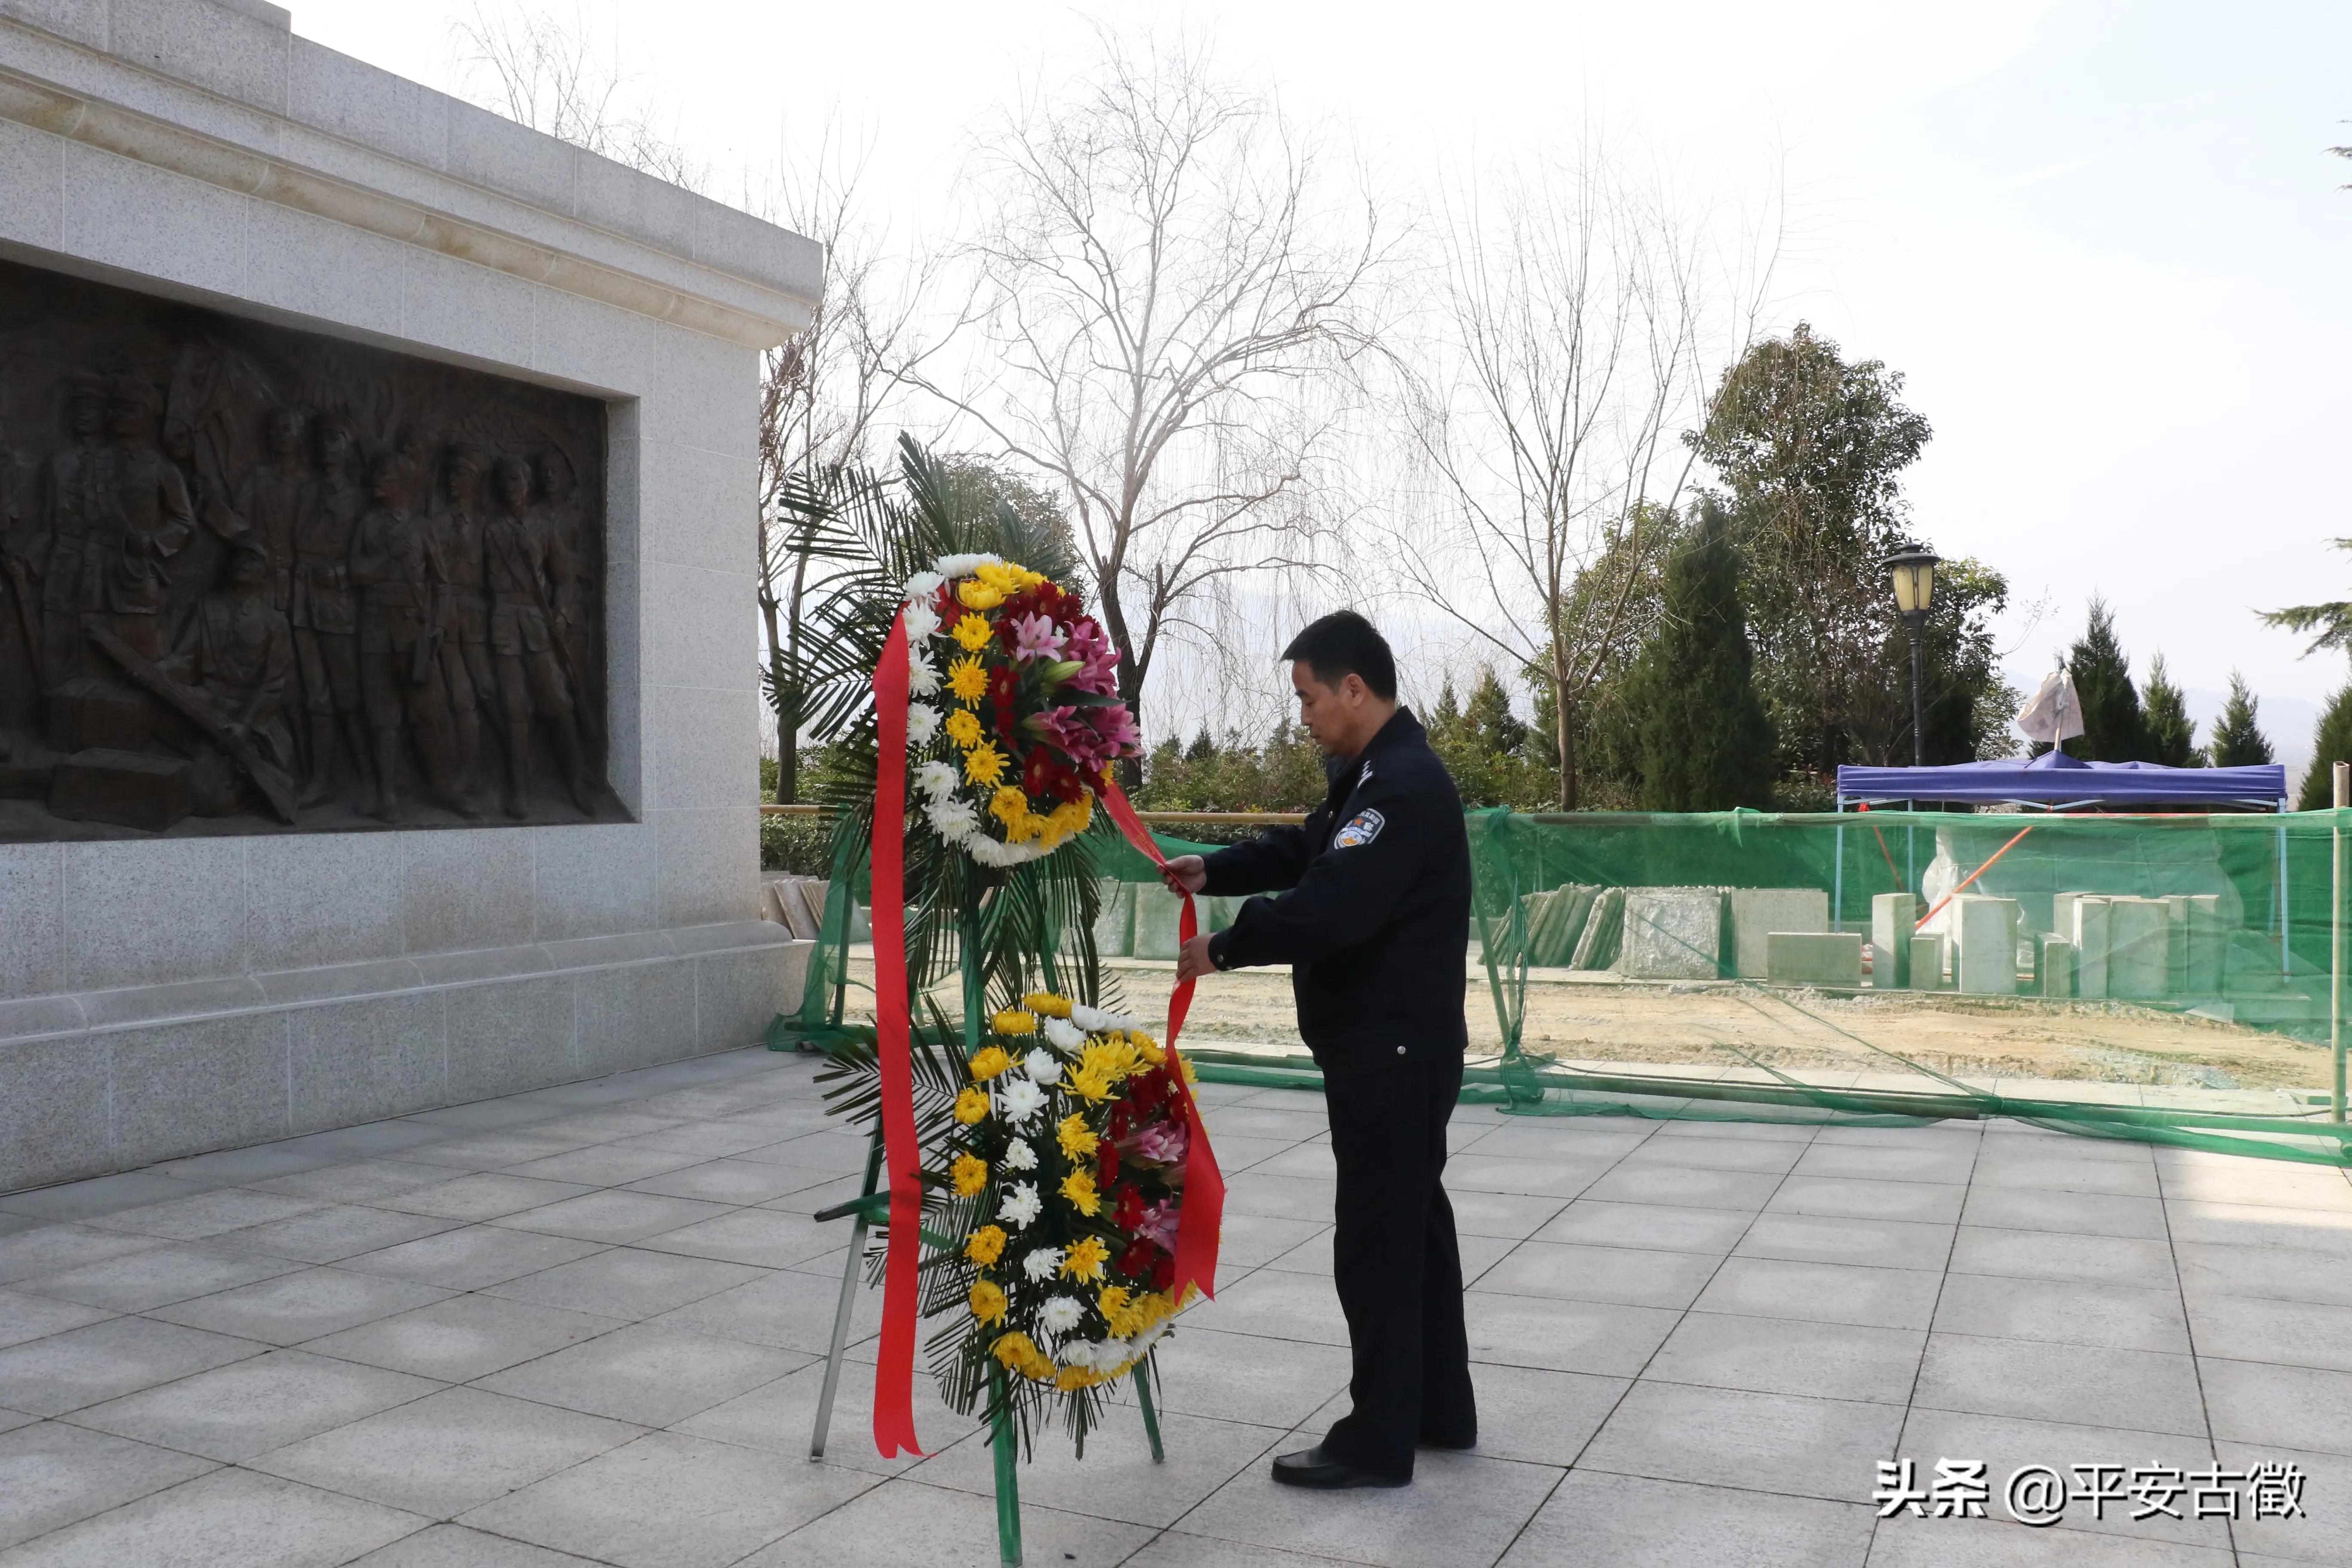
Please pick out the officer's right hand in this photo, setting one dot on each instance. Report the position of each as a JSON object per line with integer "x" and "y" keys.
{"x": 1185, "y": 874}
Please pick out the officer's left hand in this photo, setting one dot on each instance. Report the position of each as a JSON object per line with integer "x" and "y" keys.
{"x": 1193, "y": 963}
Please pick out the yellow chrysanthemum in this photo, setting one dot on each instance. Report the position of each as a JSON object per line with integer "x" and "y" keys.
{"x": 1190, "y": 1075}
{"x": 988, "y": 1062}
{"x": 1085, "y": 1259}
{"x": 978, "y": 596}
{"x": 1078, "y": 1187}
{"x": 1148, "y": 1049}
{"x": 1089, "y": 1083}
{"x": 983, "y": 764}
{"x": 1006, "y": 578}
{"x": 1046, "y": 1005}
{"x": 1008, "y": 805}
{"x": 963, "y": 729}
{"x": 971, "y": 1106}
{"x": 970, "y": 1173}
{"x": 1113, "y": 1300}
{"x": 968, "y": 678}
{"x": 1014, "y": 1021}
{"x": 1037, "y": 1368}
{"x": 987, "y": 1302}
{"x": 986, "y": 1245}
{"x": 1013, "y": 1349}
{"x": 1078, "y": 1142}
{"x": 972, "y": 632}
{"x": 1070, "y": 1379}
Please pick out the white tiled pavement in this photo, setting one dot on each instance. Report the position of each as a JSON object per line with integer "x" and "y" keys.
{"x": 582, "y": 1325}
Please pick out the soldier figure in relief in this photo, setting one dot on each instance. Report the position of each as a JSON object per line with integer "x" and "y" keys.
{"x": 528, "y": 563}
{"x": 238, "y": 651}
{"x": 68, "y": 585}
{"x": 141, "y": 517}
{"x": 325, "y": 621}
{"x": 465, "y": 625}
{"x": 400, "y": 580}
{"x": 269, "y": 499}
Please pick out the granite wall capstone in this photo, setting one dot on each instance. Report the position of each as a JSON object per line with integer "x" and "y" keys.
{"x": 163, "y": 993}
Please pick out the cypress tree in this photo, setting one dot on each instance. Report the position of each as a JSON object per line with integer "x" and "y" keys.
{"x": 2172, "y": 733}
{"x": 2113, "y": 731}
{"x": 1706, "y": 743}
{"x": 2238, "y": 742}
{"x": 2330, "y": 745}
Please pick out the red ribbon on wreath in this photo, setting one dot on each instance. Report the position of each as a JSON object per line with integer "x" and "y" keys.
{"x": 1202, "y": 1212}
{"x": 902, "y": 1155}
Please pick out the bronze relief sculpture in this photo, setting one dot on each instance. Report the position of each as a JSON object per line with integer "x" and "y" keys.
{"x": 253, "y": 579}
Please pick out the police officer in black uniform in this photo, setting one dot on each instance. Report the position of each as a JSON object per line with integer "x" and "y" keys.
{"x": 1373, "y": 913}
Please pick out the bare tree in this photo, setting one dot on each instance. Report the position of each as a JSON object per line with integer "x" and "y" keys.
{"x": 542, "y": 72}
{"x": 1566, "y": 352}
{"x": 821, "y": 398}
{"x": 1154, "y": 284}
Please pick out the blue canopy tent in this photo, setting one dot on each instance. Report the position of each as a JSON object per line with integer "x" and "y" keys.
{"x": 2056, "y": 779}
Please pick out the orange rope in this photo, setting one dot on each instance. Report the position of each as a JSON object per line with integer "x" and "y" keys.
{"x": 1979, "y": 871}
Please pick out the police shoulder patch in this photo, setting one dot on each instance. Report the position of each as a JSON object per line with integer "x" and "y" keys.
{"x": 1361, "y": 828}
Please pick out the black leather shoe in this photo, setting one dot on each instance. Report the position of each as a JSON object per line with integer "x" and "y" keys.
{"x": 1442, "y": 1443}
{"x": 1314, "y": 1468}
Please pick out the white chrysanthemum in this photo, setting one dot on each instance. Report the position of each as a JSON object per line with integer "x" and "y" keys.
{"x": 1095, "y": 1021}
{"x": 936, "y": 779}
{"x": 952, "y": 819}
{"x": 922, "y": 680}
{"x": 922, "y": 723}
{"x": 1020, "y": 1204}
{"x": 949, "y": 566}
{"x": 1041, "y": 1067}
{"x": 1060, "y": 1314}
{"x": 919, "y": 589}
{"x": 1081, "y": 1353}
{"x": 1043, "y": 1264}
{"x": 1065, "y": 1036}
{"x": 1019, "y": 1156}
{"x": 1019, "y": 1099}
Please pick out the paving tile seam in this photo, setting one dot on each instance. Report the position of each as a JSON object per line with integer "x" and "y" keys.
{"x": 1935, "y": 1310}
{"x": 2189, "y": 1334}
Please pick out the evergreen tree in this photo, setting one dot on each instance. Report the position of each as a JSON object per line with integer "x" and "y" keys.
{"x": 1706, "y": 743}
{"x": 2172, "y": 733}
{"x": 2332, "y": 744}
{"x": 2238, "y": 742}
{"x": 2114, "y": 730}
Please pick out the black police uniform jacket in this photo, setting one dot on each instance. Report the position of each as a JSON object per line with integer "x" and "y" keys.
{"x": 1372, "y": 912}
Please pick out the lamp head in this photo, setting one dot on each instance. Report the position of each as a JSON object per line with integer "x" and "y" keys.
{"x": 1912, "y": 572}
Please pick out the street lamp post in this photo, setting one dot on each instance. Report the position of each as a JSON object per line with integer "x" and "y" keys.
{"x": 1912, "y": 572}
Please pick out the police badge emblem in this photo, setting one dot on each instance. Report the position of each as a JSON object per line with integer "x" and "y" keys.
{"x": 1361, "y": 828}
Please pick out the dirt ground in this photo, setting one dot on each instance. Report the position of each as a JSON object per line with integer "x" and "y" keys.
{"x": 1691, "y": 1025}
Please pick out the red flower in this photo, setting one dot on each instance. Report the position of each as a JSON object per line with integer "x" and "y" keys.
{"x": 1106, "y": 1164}
{"x": 1164, "y": 1272}
{"x": 1127, "y": 1212}
{"x": 1136, "y": 1261}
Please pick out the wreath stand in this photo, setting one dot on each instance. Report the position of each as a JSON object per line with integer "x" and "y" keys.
{"x": 862, "y": 1211}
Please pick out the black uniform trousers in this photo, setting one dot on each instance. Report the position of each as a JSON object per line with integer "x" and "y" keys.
{"x": 1396, "y": 1264}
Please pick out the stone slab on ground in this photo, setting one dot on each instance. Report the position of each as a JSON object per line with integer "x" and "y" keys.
{"x": 2139, "y": 948}
{"x": 1758, "y": 913}
{"x": 1893, "y": 919}
{"x": 2088, "y": 930}
{"x": 2056, "y": 968}
{"x": 1605, "y": 926}
{"x": 1158, "y": 913}
{"x": 1815, "y": 958}
{"x": 1925, "y": 970}
{"x": 1115, "y": 918}
{"x": 1672, "y": 933}
{"x": 1987, "y": 929}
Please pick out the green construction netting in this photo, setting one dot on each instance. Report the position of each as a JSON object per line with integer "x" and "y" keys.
{"x": 2164, "y": 978}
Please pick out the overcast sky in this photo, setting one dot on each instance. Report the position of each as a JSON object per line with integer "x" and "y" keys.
{"x": 2103, "y": 242}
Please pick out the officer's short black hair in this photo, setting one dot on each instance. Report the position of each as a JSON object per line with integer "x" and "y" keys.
{"x": 1342, "y": 643}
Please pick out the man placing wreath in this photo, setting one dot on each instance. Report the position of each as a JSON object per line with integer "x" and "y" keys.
{"x": 1371, "y": 907}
